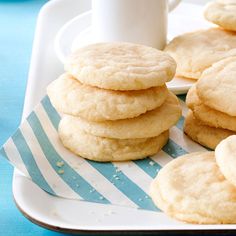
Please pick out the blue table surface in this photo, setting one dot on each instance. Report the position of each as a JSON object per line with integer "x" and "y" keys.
{"x": 17, "y": 24}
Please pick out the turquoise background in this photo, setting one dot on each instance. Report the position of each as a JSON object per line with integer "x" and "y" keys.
{"x": 17, "y": 25}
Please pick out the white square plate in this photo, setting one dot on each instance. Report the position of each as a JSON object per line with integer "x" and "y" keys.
{"x": 63, "y": 214}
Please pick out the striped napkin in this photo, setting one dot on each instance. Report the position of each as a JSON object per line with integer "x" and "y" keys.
{"x": 35, "y": 150}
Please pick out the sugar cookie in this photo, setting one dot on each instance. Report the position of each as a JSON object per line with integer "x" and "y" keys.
{"x": 71, "y": 97}
{"x": 121, "y": 66}
{"x": 217, "y": 86}
{"x": 203, "y": 134}
{"x": 222, "y": 13}
{"x": 191, "y": 188}
{"x": 208, "y": 115}
{"x": 226, "y": 158}
{"x": 106, "y": 149}
{"x": 196, "y": 51}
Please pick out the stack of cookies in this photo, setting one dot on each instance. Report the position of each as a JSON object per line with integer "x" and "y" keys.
{"x": 199, "y": 187}
{"x": 209, "y": 56}
{"x": 115, "y": 102}
{"x": 213, "y": 112}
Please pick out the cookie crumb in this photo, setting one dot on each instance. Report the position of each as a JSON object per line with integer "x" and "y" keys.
{"x": 151, "y": 163}
{"x": 61, "y": 172}
{"x": 60, "y": 163}
{"x": 117, "y": 170}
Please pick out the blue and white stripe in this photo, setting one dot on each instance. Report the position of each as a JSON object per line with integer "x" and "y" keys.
{"x": 36, "y": 150}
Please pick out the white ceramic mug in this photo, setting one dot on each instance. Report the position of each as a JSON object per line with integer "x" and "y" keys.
{"x": 138, "y": 21}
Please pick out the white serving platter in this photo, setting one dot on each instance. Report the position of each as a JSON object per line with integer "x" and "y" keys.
{"x": 77, "y": 33}
{"x": 70, "y": 215}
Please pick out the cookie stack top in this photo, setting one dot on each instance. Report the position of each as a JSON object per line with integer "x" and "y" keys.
{"x": 121, "y": 66}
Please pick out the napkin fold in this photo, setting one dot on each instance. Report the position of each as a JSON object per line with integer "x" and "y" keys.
{"x": 35, "y": 149}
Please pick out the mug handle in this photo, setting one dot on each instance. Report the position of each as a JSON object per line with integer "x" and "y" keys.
{"x": 173, "y": 4}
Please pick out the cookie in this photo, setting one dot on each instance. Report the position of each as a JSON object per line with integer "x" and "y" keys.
{"x": 196, "y": 51}
{"x": 226, "y": 158}
{"x": 222, "y": 13}
{"x": 217, "y": 86}
{"x": 150, "y": 124}
{"x": 121, "y": 66}
{"x": 191, "y": 188}
{"x": 203, "y": 134}
{"x": 71, "y": 97}
{"x": 105, "y": 149}
{"x": 208, "y": 115}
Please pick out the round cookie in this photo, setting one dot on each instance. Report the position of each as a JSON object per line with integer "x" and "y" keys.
{"x": 217, "y": 86}
{"x": 191, "y": 188}
{"x": 225, "y": 154}
{"x": 150, "y": 124}
{"x": 222, "y": 13}
{"x": 203, "y": 134}
{"x": 71, "y": 97}
{"x": 208, "y": 115}
{"x": 106, "y": 149}
{"x": 196, "y": 51}
{"x": 121, "y": 66}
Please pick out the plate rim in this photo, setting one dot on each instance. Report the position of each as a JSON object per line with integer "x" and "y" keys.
{"x": 35, "y": 217}
{"x": 109, "y": 232}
